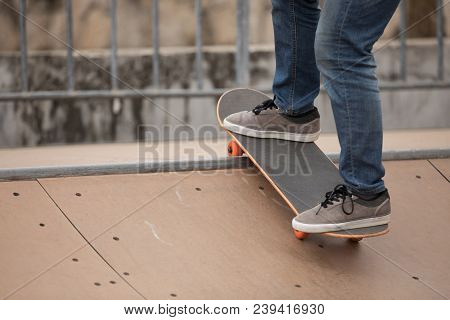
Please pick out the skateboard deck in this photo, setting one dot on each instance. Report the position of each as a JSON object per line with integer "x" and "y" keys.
{"x": 300, "y": 172}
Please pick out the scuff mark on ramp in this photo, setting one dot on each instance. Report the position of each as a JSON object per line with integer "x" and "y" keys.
{"x": 180, "y": 199}
{"x": 153, "y": 229}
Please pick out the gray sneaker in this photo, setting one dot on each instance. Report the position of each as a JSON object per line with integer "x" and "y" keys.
{"x": 343, "y": 210}
{"x": 265, "y": 121}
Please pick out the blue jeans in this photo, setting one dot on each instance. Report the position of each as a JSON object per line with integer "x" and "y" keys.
{"x": 337, "y": 42}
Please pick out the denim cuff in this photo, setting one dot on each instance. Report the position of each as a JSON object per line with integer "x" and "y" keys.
{"x": 367, "y": 192}
{"x": 292, "y": 111}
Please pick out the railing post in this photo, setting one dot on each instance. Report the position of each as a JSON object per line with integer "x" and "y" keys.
{"x": 242, "y": 43}
{"x": 23, "y": 45}
{"x": 155, "y": 42}
{"x": 113, "y": 18}
{"x": 198, "y": 44}
{"x": 403, "y": 62}
{"x": 440, "y": 39}
{"x": 69, "y": 40}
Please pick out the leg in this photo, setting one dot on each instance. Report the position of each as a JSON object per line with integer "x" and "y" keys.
{"x": 296, "y": 82}
{"x": 345, "y": 36}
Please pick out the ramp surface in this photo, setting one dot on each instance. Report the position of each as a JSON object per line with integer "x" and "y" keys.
{"x": 213, "y": 235}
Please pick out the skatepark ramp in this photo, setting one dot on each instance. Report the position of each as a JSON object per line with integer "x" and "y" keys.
{"x": 216, "y": 234}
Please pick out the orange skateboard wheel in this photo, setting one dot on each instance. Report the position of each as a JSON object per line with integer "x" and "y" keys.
{"x": 234, "y": 150}
{"x": 300, "y": 235}
{"x": 356, "y": 239}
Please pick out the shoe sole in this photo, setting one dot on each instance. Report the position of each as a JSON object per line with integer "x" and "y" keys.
{"x": 332, "y": 227}
{"x": 299, "y": 137}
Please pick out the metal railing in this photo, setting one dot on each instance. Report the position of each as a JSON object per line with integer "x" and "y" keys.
{"x": 241, "y": 58}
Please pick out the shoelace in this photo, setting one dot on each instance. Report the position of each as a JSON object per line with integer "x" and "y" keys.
{"x": 268, "y": 104}
{"x": 339, "y": 192}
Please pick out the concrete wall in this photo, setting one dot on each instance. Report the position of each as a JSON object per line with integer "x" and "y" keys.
{"x": 92, "y": 25}
{"x": 81, "y": 121}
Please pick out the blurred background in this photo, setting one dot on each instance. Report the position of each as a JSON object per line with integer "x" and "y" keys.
{"x": 182, "y": 54}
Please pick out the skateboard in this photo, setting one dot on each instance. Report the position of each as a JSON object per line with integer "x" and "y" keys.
{"x": 300, "y": 172}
